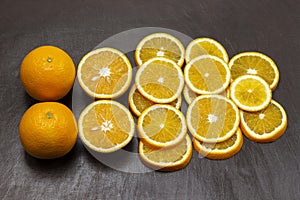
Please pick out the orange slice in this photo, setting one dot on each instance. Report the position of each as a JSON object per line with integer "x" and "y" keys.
{"x": 167, "y": 159}
{"x": 161, "y": 126}
{"x": 207, "y": 75}
{"x": 205, "y": 46}
{"x": 160, "y": 80}
{"x": 106, "y": 126}
{"x": 250, "y": 93}
{"x": 212, "y": 118}
{"x": 159, "y": 45}
{"x": 138, "y": 103}
{"x": 104, "y": 73}
{"x": 254, "y": 63}
{"x": 222, "y": 150}
{"x": 266, "y": 125}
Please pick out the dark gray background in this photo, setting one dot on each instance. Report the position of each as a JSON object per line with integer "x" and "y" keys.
{"x": 259, "y": 171}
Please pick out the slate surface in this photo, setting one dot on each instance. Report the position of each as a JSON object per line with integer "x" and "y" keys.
{"x": 259, "y": 171}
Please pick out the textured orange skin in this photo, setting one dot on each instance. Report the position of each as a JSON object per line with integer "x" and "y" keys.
{"x": 48, "y": 130}
{"x": 47, "y": 73}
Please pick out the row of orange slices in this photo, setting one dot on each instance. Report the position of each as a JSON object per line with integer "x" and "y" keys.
{"x": 223, "y": 96}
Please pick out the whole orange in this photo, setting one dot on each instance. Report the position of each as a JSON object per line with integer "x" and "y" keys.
{"x": 48, "y": 130}
{"x": 47, "y": 73}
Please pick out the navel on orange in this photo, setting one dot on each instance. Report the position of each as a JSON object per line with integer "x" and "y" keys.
{"x": 48, "y": 130}
{"x": 47, "y": 73}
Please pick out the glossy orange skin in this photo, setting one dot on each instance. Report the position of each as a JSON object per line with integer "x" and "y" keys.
{"x": 48, "y": 130}
{"x": 47, "y": 73}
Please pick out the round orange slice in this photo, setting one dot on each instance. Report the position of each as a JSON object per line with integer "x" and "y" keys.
{"x": 266, "y": 125}
{"x": 138, "y": 103}
{"x": 250, "y": 93}
{"x": 222, "y": 150}
{"x": 160, "y": 80}
{"x": 159, "y": 45}
{"x": 207, "y": 75}
{"x": 212, "y": 118}
{"x": 161, "y": 125}
{"x": 254, "y": 63}
{"x": 106, "y": 126}
{"x": 167, "y": 159}
{"x": 104, "y": 73}
{"x": 205, "y": 46}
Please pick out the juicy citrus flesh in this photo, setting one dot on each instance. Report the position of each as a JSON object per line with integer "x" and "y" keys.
{"x": 106, "y": 126}
{"x": 105, "y": 73}
{"x": 212, "y": 118}
{"x": 167, "y": 159}
{"x": 222, "y": 150}
{"x": 189, "y": 95}
{"x": 205, "y": 46}
{"x": 161, "y": 126}
{"x": 47, "y": 73}
{"x": 253, "y": 63}
{"x": 159, "y": 45}
{"x": 138, "y": 103}
{"x": 207, "y": 75}
{"x": 160, "y": 80}
{"x": 48, "y": 130}
{"x": 266, "y": 125}
{"x": 250, "y": 93}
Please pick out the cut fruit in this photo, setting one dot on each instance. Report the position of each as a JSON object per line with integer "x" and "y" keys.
{"x": 159, "y": 45}
{"x": 250, "y": 93}
{"x": 212, "y": 118}
{"x": 205, "y": 46}
{"x": 106, "y": 126}
{"x": 167, "y": 159}
{"x": 266, "y": 125}
{"x": 254, "y": 63}
{"x": 161, "y": 126}
{"x": 104, "y": 73}
{"x": 138, "y": 103}
{"x": 189, "y": 95}
{"x": 160, "y": 80}
{"x": 207, "y": 75}
{"x": 222, "y": 150}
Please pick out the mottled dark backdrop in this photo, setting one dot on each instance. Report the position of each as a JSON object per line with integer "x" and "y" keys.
{"x": 259, "y": 171}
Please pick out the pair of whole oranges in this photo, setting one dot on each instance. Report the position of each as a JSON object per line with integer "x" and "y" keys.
{"x": 48, "y": 129}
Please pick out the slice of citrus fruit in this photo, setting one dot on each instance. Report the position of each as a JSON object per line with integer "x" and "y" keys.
{"x": 161, "y": 126}
{"x": 167, "y": 159}
{"x": 106, "y": 126}
{"x": 159, "y": 45}
{"x": 250, "y": 93}
{"x": 104, "y": 73}
{"x": 254, "y": 63}
{"x": 266, "y": 125}
{"x": 189, "y": 95}
{"x": 138, "y": 103}
{"x": 160, "y": 80}
{"x": 212, "y": 118}
{"x": 207, "y": 75}
{"x": 222, "y": 150}
{"x": 205, "y": 46}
